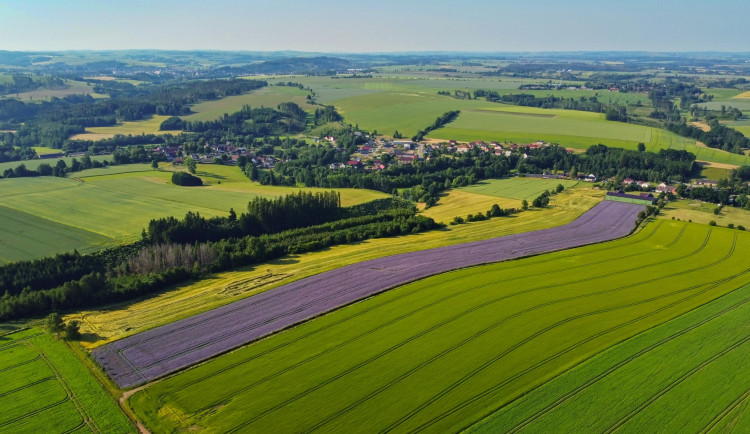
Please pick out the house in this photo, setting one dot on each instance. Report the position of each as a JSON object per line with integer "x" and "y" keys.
{"x": 643, "y": 184}
{"x": 664, "y": 188}
{"x": 621, "y": 196}
{"x": 406, "y": 159}
{"x": 628, "y": 181}
{"x": 590, "y": 178}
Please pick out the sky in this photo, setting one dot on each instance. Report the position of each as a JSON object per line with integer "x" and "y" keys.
{"x": 377, "y": 25}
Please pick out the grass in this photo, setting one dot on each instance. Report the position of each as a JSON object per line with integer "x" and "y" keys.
{"x": 179, "y": 302}
{"x": 146, "y": 126}
{"x": 270, "y": 96}
{"x": 71, "y": 87}
{"x": 43, "y": 150}
{"x": 506, "y": 193}
{"x": 112, "y": 205}
{"x": 25, "y": 236}
{"x": 570, "y": 128}
{"x": 519, "y": 188}
{"x": 702, "y": 212}
{"x": 34, "y": 164}
{"x": 438, "y": 353}
{"x": 692, "y": 365}
{"x": 44, "y": 388}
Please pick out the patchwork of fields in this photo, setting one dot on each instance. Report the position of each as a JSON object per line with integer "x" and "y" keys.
{"x": 426, "y": 356}
{"x": 183, "y": 301}
{"x": 44, "y": 388}
{"x": 569, "y": 128}
{"x": 102, "y": 207}
{"x": 145, "y": 356}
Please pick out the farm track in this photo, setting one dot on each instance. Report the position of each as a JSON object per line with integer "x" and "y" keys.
{"x": 557, "y": 403}
{"x": 477, "y": 335}
{"x": 156, "y": 352}
{"x": 726, "y": 412}
{"x": 411, "y": 313}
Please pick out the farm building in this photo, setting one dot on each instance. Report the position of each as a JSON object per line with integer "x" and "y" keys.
{"x": 620, "y": 196}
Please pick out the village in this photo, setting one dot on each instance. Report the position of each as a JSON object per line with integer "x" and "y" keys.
{"x": 379, "y": 153}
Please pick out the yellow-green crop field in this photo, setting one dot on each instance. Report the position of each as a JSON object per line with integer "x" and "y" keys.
{"x": 115, "y": 322}
{"x": 45, "y": 388}
{"x": 108, "y": 206}
{"x": 441, "y": 353}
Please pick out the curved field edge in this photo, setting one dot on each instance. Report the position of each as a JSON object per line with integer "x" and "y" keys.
{"x": 149, "y": 355}
{"x": 692, "y": 365}
{"x": 426, "y": 356}
{"x": 34, "y": 365}
{"x": 122, "y": 320}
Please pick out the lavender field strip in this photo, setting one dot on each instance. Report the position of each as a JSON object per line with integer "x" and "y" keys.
{"x": 154, "y": 353}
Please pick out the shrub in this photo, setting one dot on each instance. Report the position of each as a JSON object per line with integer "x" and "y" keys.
{"x": 712, "y": 223}
{"x": 186, "y": 180}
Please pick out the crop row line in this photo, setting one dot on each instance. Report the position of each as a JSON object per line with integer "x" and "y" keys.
{"x": 18, "y": 365}
{"x": 458, "y": 345}
{"x": 69, "y": 392}
{"x": 621, "y": 364}
{"x": 726, "y": 412}
{"x": 25, "y": 386}
{"x": 617, "y": 425}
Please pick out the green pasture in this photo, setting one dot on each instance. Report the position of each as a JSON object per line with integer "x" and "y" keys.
{"x": 45, "y": 388}
{"x": 517, "y": 187}
{"x": 569, "y": 128}
{"x": 34, "y": 164}
{"x": 270, "y": 96}
{"x": 43, "y": 150}
{"x": 441, "y": 353}
{"x": 71, "y": 87}
{"x": 111, "y": 205}
{"x": 146, "y": 126}
{"x": 687, "y": 375}
{"x": 26, "y": 236}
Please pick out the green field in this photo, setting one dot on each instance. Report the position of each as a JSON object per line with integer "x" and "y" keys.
{"x": 146, "y": 126}
{"x": 570, "y": 128}
{"x": 45, "y": 388}
{"x": 33, "y": 164}
{"x": 518, "y": 187}
{"x": 25, "y": 236}
{"x": 71, "y": 87}
{"x": 112, "y": 205}
{"x": 270, "y": 96}
{"x": 693, "y": 365}
{"x": 441, "y": 353}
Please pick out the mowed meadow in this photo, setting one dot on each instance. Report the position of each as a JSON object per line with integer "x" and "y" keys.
{"x": 442, "y": 353}
{"x": 45, "y": 388}
{"x": 108, "y": 206}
